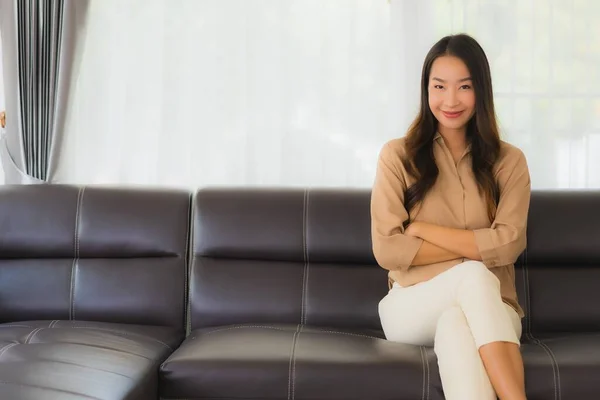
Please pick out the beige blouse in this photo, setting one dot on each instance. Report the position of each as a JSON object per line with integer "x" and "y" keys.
{"x": 454, "y": 201}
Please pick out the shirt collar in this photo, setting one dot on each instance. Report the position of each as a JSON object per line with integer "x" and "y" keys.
{"x": 438, "y": 137}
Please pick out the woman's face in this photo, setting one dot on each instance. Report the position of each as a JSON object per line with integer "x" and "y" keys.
{"x": 451, "y": 94}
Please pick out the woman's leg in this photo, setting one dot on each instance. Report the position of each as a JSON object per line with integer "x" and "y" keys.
{"x": 504, "y": 366}
{"x": 414, "y": 314}
{"x": 407, "y": 317}
{"x": 461, "y": 368}
{"x": 496, "y": 330}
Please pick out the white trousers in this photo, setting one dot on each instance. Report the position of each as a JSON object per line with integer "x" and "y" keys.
{"x": 456, "y": 312}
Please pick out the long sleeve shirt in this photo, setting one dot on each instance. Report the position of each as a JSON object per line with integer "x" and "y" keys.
{"x": 455, "y": 202}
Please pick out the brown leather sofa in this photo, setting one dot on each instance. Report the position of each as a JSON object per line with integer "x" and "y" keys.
{"x": 276, "y": 296}
{"x": 92, "y": 290}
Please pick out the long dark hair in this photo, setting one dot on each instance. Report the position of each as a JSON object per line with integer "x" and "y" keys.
{"x": 482, "y": 129}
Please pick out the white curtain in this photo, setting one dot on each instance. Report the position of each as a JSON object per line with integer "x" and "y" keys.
{"x": 2, "y": 104}
{"x": 304, "y": 92}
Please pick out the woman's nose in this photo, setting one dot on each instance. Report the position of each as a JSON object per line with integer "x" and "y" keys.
{"x": 451, "y": 99}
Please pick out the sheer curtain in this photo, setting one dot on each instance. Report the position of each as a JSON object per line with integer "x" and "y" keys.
{"x": 305, "y": 92}
{"x": 2, "y": 103}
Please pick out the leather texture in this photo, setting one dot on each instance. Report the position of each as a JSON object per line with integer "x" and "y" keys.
{"x": 64, "y": 360}
{"x": 92, "y": 290}
{"x": 293, "y": 362}
{"x": 563, "y": 262}
{"x": 280, "y": 256}
{"x": 280, "y": 300}
{"x": 284, "y": 293}
{"x": 101, "y": 254}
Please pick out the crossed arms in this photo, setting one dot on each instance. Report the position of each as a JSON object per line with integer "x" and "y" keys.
{"x": 397, "y": 248}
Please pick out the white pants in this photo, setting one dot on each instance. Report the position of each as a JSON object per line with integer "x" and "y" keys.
{"x": 457, "y": 312}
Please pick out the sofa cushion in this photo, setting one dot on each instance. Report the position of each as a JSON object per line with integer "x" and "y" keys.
{"x": 575, "y": 362}
{"x": 284, "y": 256}
{"x": 301, "y": 362}
{"x": 74, "y": 359}
{"x": 93, "y": 254}
{"x": 295, "y": 362}
{"x": 562, "y": 262}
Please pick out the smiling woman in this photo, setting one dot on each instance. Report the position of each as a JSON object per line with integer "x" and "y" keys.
{"x": 451, "y": 98}
{"x": 449, "y": 211}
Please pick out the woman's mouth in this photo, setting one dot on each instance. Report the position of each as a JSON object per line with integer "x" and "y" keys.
{"x": 453, "y": 114}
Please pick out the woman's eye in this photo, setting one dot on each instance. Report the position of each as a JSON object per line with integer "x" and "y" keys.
{"x": 438, "y": 86}
{"x": 466, "y": 87}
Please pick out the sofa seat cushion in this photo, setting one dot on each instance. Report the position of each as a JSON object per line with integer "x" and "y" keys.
{"x": 65, "y": 360}
{"x": 294, "y": 362}
{"x": 571, "y": 366}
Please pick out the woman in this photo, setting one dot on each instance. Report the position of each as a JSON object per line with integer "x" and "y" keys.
{"x": 449, "y": 213}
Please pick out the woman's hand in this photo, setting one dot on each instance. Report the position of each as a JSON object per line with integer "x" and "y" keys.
{"x": 457, "y": 241}
{"x": 414, "y": 229}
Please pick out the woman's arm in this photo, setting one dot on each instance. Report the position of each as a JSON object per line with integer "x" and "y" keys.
{"x": 392, "y": 247}
{"x": 458, "y": 242}
{"x": 429, "y": 253}
{"x": 501, "y": 243}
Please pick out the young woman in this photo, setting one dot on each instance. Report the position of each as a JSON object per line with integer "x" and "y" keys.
{"x": 449, "y": 213}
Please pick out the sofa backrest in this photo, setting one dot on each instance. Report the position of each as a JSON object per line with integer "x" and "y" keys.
{"x": 295, "y": 256}
{"x": 98, "y": 254}
{"x": 562, "y": 262}
{"x": 284, "y": 256}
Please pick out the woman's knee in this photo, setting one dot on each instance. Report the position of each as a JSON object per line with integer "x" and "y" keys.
{"x": 451, "y": 327}
{"x": 476, "y": 271}
{"x": 451, "y": 320}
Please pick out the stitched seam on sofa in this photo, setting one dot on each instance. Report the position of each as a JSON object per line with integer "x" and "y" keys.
{"x": 554, "y": 375}
{"x": 189, "y": 259}
{"x": 292, "y": 367}
{"x": 76, "y": 249}
{"x": 8, "y": 346}
{"x": 32, "y": 334}
{"x": 307, "y": 258}
{"x": 527, "y": 293}
{"x": 302, "y": 310}
{"x": 530, "y": 336}
{"x": 121, "y": 333}
{"x": 83, "y": 396}
{"x": 72, "y": 291}
{"x": 424, "y": 373}
{"x": 428, "y": 372}
{"x": 555, "y": 361}
{"x": 53, "y": 323}
{"x": 283, "y": 329}
{"x": 190, "y": 323}
{"x": 15, "y": 326}
{"x": 107, "y": 348}
{"x": 350, "y": 334}
{"x": 242, "y": 327}
{"x": 88, "y": 367}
